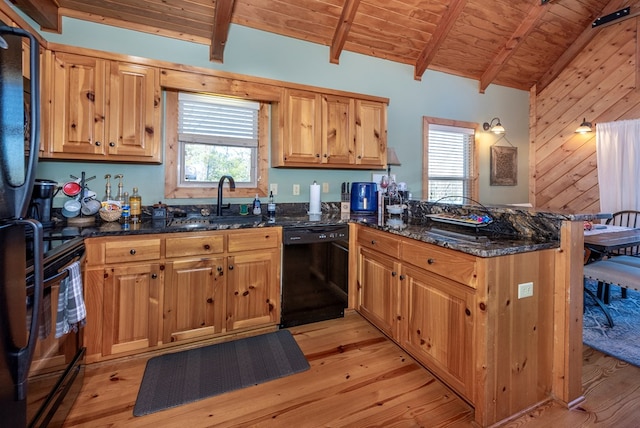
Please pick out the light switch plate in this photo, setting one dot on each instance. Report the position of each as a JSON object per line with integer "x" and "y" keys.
{"x": 273, "y": 188}
{"x": 296, "y": 189}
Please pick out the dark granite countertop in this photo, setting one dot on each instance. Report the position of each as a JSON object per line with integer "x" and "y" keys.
{"x": 489, "y": 242}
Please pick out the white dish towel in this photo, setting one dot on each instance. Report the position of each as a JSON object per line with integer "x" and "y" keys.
{"x": 71, "y": 308}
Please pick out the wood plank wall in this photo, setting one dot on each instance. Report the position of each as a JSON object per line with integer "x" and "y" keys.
{"x": 601, "y": 85}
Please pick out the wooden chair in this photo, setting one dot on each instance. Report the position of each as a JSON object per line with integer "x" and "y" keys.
{"x": 626, "y": 218}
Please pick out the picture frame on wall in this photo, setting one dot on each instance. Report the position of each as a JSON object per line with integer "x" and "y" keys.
{"x": 503, "y": 166}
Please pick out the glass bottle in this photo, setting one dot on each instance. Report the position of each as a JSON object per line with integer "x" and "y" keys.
{"x": 271, "y": 208}
{"x": 126, "y": 214}
{"x": 135, "y": 206}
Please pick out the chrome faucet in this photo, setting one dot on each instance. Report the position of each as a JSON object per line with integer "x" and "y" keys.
{"x": 232, "y": 187}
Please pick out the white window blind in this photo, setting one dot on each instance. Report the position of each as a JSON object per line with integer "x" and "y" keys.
{"x": 451, "y": 154}
{"x": 217, "y": 136}
{"x": 218, "y": 120}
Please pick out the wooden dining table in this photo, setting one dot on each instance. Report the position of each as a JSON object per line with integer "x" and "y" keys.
{"x": 602, "y": 242}
{"x": 607, "y": 242}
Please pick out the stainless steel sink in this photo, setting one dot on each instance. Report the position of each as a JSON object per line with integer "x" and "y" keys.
{"x": 191, "y": 222}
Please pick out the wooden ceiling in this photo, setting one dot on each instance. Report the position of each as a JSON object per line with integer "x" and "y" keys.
{"x": 514, "y": 43}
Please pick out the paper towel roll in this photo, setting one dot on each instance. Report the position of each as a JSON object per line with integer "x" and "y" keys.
{"x": 314, "y": 199}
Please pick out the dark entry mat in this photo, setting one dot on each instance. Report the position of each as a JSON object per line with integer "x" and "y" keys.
{"x": 183, "y": 377}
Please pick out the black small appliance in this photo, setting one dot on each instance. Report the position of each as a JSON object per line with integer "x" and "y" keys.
{"x": 42, "y": 201}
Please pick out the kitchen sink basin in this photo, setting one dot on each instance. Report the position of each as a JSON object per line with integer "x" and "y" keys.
{"x": 192, "y": 222}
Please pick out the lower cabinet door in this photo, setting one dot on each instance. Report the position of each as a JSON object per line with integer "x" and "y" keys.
{"x": 131, "y": 312}
{"x": 253, "y": 289}
{"x": 379, "y": 290}
{"x": 193, "y": 299}
{"x": 437, "y": 326}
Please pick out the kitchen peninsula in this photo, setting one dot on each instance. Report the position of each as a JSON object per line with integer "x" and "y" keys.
{"x": 456, "y": 305}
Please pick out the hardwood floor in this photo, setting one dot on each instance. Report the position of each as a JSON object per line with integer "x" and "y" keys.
{"x": 358, "y": 378}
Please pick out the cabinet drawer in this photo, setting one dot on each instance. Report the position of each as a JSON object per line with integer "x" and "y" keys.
{"x": 132, "y": 250}
{"x": 253, "y": 240}
{"x": 383, "y": 242}
{"x": 194, "y": 246}
{"x": 450, "y": 264}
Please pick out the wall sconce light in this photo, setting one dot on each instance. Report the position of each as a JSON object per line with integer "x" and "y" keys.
{"x": 584, "y": 127}
{"x": 496, "y": 129}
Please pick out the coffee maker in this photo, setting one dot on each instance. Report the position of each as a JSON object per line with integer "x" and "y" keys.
{"x": 42, "y": 201}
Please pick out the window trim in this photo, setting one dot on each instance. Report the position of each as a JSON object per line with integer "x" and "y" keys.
{"x": 426, "y": 122}
{"x": 172, "y": 187}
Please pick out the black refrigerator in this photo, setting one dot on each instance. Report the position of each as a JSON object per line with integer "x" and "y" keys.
{"x": 19, "y": 122}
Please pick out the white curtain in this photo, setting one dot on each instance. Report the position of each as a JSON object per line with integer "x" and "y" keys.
{"x": 618, "y": 155}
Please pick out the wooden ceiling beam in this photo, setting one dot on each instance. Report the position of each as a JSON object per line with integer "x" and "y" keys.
{"x": 342, "y": 30}
{"x": 44, "y": 12}
{"x": 536, "y": 13}
{"x": 581, "y": 42}
{"x": 444, "y": 26}
{"x": 221, "y": 22}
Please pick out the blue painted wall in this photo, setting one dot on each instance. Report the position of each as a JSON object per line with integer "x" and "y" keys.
{"x": 262, "y": 54}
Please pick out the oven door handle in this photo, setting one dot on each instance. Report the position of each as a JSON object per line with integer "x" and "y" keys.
{"x": 19, "y": 358}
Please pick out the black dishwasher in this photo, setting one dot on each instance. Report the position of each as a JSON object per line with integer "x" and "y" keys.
{"x": 315, "y": 272}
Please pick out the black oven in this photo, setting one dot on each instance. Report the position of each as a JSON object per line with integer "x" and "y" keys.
{"x": 57, "y": 369}
{"x": 315, "y": 272}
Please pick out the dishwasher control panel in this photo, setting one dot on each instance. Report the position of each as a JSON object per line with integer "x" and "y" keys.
{"x": 305, "y": 235}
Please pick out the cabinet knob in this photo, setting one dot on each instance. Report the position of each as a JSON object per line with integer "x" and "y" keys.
{"x": 325, "y": 155}
{"x": 112, "y": 144}
{"x": 317, "y": 155}
{"x": 154, "y": 276}
{"x": 373, "y": 242}
{"x": 207, "y": 246}
{"x": 230, "y": 267}
{"x": 431, "y": 261}
{"x": 219, "y": 268}
{"x": 98, "y": 143}
{"x": 359, "y": 156}
{"x": 394, "y": 273}
{"x": 401, "y": 277}
{"x": 132, "y": 251}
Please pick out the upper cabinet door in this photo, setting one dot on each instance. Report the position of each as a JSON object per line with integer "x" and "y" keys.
{"x": 371, "y": 133}
{"x": 338, "y": 133}
{"x": 302, "y": 140}
{"x": 101, "y": 110}
{"x": 134, "y": 116}
{"x": 79, "y": 104}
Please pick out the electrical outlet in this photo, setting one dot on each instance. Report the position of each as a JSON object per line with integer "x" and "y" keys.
{"x": 525, "y": 290}
{"x": 325, "y": 187}
{"x": 296, "y": 189}
{"x": 273, "y": 188}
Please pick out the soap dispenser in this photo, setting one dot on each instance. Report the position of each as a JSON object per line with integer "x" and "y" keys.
{"x": 257, "y": 209}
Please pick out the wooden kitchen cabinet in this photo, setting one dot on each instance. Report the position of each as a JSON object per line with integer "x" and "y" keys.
{"x": 193, "y": 299}
{"x": 101, "y": 109}
{"x": 131, "y": 311}
{"x": 253, "y": 281}
{"x": 153, "y": 291}
{"x": 330, "y": 131}
{"x": 437, "y": 326}
{"x": 123, "y": 280}
{"x": 302, "y": 129}
{"x": 461, "y": 317}
{"x": 379, "y": 290}
{"x": 194, "y": 286}
{"x": 371, "y": 133}
{"x": 338, "y": 130}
